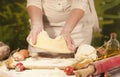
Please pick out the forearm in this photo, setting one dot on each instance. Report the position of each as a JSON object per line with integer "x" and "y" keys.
{"x": 35, "y": 15}
{"x": 72, "y": 20}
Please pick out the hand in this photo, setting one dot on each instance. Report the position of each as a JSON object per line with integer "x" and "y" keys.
{"x": 69, "y": 41}
{"x": 33, "y": 34}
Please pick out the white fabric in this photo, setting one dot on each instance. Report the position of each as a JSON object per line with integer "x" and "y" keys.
{"x": 56, "y": 12}
{"x": 35, "y": 73}
{"x": 94, "y": 16}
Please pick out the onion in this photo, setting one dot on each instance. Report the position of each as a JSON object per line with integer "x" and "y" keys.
{"x": 24, "y": 52}
{"x": 18, "y": 57}
{"x": 21, "y": 55}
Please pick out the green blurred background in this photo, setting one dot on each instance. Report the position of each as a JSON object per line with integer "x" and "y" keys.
{"x": 14, "y": 26}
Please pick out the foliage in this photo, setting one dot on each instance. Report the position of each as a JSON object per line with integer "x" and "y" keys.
{"x": 14, "y": 25}
{"x": 109, "y": 15}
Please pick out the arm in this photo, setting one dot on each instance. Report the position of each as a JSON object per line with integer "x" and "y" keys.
{"x": 73, "y": 19}
{"x": 35, "y": 13}
{"x": 71, "y": 22}
{"x": 78, "y": 9}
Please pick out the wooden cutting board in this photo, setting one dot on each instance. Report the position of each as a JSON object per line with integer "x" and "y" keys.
{"x": 46, "y": 63}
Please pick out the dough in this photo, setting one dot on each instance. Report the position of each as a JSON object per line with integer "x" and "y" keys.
{"x": 57, "y": 45}
{"x": 86, "y": 51}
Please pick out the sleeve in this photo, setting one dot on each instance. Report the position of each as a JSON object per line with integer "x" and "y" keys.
{"x": 81, "y": 4}
{"x": 96, "y": 27}
{"x": 37, "y": 3}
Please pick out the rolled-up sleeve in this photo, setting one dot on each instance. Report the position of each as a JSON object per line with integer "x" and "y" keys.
{"x": 80, "y": 4}
{"x": 36, "y": 3}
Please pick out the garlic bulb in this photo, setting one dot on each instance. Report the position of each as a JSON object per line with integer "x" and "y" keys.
{"x": 18, "y": 57}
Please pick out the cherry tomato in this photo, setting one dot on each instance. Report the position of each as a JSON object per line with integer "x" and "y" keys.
{"x": 68, "y": 70}
{"x": 19, "y": 67}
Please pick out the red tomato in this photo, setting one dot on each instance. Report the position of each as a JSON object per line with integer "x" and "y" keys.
{"x": 19, "y": 64}
{"x": 19, "y": 67}
{"x": 69, "y": 70}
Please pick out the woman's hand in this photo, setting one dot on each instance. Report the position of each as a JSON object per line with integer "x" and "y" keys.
{"x": 71, "y": 22}
{"x": 33, "y": 34}
{"x": 69, "y": 41}
{"x": 36, "y": 23}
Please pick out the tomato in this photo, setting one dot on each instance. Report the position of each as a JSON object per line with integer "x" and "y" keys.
{"x": 19, "y": 67}
{"x": 68, "y": 70}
